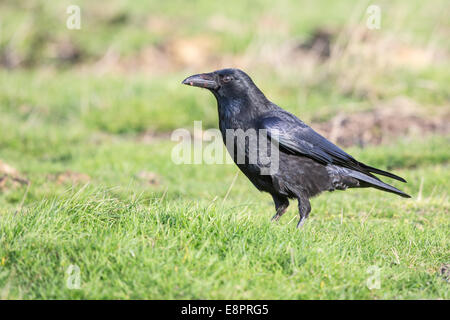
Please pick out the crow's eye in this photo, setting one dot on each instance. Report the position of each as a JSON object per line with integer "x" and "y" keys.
{"x": 227, "y": 79}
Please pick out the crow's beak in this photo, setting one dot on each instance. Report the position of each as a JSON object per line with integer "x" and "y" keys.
{"x": 203, "y": 80}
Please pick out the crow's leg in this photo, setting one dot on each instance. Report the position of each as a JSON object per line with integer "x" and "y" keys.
{"x": 281, "y": 204}
{"x": 304, "y": 208}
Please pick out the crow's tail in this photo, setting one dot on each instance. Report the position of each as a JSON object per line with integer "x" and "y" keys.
{"x": 375, "y": 183}
{"x": 381, "y": 172}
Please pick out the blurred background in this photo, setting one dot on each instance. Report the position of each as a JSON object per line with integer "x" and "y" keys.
{"x": 115, "y": 82}
{"x": 85, "y": 152}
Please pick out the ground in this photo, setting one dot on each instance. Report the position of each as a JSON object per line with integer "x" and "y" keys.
{"x": 86, "y": 177}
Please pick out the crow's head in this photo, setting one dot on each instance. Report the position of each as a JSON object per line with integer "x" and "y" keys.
{"x": 225, "y": 83}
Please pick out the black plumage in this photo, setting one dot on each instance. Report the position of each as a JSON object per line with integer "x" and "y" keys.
{"x": 308, "y": 163}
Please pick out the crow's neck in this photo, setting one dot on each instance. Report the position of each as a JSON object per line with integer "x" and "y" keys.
{"x": 243, "y": 107}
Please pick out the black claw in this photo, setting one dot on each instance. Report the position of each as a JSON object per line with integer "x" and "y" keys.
{"x": 301, "y": 222}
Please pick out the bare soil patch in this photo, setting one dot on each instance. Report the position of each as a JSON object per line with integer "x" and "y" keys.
{"x": 69, "y": 177}
{"x": 393, "y": 119}
{"x": 10, "y": 178}
{"x": 150, "y": 178}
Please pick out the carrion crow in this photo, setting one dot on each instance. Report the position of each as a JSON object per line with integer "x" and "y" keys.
{"x": 307, "y": 162}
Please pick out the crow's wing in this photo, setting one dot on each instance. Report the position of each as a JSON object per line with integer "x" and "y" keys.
{"x": 296, "y": 137}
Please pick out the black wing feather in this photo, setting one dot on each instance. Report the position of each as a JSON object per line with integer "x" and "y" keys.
{"x": 295, "y": 136}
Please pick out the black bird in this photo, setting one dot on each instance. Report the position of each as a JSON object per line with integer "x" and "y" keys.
{"x": 308, "y": 162}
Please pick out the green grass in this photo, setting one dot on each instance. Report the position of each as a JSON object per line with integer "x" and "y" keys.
{"x": 132, "y": 249}
{"x": 182, "y": 239}
{"x": 196, "y": 234}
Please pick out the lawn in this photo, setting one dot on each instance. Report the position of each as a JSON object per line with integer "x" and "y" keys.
{"x": 90, "y": 191}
